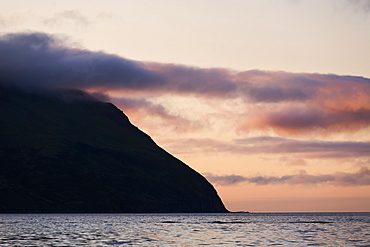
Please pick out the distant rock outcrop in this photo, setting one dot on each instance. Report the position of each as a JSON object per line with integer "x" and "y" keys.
{"x": 65, "y": 152}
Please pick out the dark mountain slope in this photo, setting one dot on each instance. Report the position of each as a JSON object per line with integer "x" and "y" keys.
{"x": 66, "y": 152}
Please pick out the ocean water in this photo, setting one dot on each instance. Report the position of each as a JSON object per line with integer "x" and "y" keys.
{"x": 234, "y": 229}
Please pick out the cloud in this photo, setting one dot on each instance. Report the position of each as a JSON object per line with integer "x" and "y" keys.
{"x": 200, "y": 145}
{"x": 274, "y": 145}
{"x": 293, "y": 161}
{"x": 142, "y": 108}
{"x": 281, "y": 102}
{"x": 286, "y": 103}
{"x": 14, "y": 19}
{"x": 312, "y": 148}
{"x": 297, "y": 119}
{"x": 72, "y": 16}
{"x": 226, "y": 179}
{"x": 38, "y": 60}
{"x": 311, "y": 103}
{"x": 209, "y": 82}
{"x": 359, "y": 178}
{"x": 361, "y": 4}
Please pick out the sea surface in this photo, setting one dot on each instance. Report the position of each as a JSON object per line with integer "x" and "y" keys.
{"x": 233, "y": 229}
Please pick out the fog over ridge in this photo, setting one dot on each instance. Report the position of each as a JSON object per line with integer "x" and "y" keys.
{"x": 40, "y": 60}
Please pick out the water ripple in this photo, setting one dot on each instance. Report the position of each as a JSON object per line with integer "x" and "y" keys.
{"x": 185, "y": 229}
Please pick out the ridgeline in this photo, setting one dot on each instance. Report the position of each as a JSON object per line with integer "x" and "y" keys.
{"x": 66, "y": 152}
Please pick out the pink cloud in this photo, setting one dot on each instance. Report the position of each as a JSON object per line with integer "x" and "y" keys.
{"x": 273, "y": 145}
{"x": 293, "y": 161}
{"x": 359, "y": 178}
{"x": 282, "y": 102}
{"x": 139, "y": 108}
{"x": 297, "y": 119}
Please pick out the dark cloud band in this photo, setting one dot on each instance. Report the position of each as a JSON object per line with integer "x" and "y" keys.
{"x": 286, "y": 103}
{"x": 39, "y": 60}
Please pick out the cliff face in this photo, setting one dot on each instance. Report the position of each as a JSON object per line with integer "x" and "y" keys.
{"x": 65, "y": 152}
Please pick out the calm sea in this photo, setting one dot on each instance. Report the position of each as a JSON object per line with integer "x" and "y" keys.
{"x": 234, "y": 229}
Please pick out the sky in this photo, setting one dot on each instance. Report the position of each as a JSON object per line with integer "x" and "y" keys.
{"x": 268, "y": 99}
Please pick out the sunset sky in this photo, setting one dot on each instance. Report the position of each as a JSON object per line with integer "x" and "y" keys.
{"x": 268, "y": 99}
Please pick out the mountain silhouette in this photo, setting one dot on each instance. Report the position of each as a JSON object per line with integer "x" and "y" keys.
{"x": 64, "y": 151}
